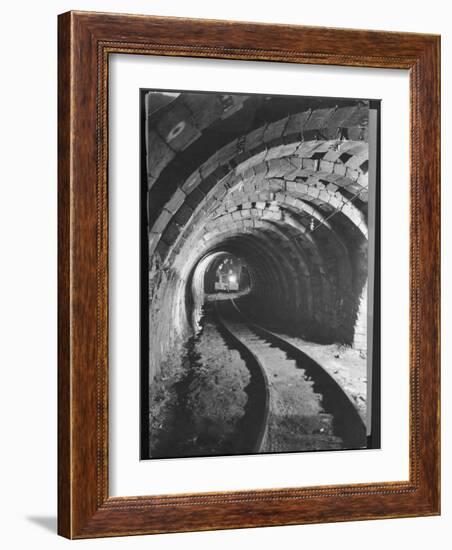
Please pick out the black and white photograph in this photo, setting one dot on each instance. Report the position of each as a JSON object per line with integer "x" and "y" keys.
{"x": 259, "y": 273}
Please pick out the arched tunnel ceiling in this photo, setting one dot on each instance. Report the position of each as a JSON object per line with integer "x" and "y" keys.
{"x": 289, "y": 196}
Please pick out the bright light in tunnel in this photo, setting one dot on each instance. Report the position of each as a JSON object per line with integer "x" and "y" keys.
{"x": 232, "y": 279}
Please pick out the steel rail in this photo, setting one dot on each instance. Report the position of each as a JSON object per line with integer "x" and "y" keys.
{"x": 326, "y": 377}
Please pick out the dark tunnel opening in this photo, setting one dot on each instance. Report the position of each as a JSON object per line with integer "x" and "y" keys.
{"x": 292, "y": 286}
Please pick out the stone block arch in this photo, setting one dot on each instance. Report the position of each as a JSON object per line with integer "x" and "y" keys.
{"x": 289, "y": 195}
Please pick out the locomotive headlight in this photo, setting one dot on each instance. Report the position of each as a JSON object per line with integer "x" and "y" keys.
{"x": 232, "y": 279}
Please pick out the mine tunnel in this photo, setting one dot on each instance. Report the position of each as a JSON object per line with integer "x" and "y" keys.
{"x": 276, "y": 187}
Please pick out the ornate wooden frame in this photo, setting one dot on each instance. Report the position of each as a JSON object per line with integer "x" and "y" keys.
{"x": 85, "y": 42}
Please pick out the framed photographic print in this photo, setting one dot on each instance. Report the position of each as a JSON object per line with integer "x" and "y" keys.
{"x": 248, "y": 275}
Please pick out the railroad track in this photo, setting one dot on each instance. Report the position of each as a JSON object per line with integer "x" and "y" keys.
{"x": 300, "y": 406}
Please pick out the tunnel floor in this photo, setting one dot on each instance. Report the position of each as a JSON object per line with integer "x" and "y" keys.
{"x": 199, "y": 410}
{"x": 216, "y": 401}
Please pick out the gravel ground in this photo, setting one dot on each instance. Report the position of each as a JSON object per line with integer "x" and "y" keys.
{"x": 198, "y": 403}
{"x": 197, "y": 409}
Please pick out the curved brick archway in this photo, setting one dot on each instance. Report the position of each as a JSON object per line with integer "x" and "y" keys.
{"x": 289, "y": 196}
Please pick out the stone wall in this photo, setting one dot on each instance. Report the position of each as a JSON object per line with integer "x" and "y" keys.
{"x": 360, "y": 333}
{"x": 287, "y": 195}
